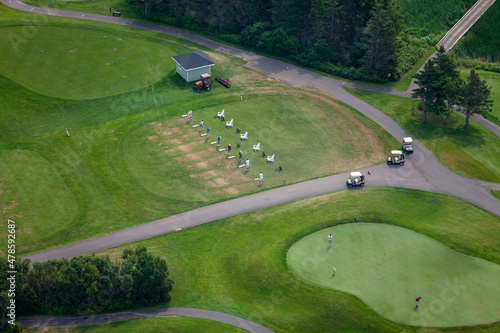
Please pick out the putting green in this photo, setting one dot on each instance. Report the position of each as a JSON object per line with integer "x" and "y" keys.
{"x": 388, "y": 267}
{"x": 79, "y": 63}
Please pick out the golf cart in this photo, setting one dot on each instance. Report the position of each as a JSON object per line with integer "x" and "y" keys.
{"x": 407, "y": 147}
{"x": 356, "y": 178}
{"x": 397, "y": 157}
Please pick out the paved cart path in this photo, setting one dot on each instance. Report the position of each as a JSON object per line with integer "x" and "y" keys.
{"x": 136, "y": 314}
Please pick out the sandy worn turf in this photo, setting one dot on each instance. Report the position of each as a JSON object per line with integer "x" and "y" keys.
{"x": 388, "y": 267}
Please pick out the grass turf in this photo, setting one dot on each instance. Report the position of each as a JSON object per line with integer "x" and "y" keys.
{"x": 83, "y": 64}
{"x": 111, "y": 174}
{"x": 388, "y": 267}
{"x": 474, "y": 153}
{"x": 146, "y": 325}
{"x": 493, "y": 81}
{"x": 238, "y": 265}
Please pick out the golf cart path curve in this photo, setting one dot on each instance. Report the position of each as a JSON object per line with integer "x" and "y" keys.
{"x": 136, "y": 314}
{"x": 422, "y": 169}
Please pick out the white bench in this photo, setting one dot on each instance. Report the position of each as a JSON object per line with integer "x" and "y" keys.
{"x": 220, "y": 114}
{"x": 244, "y": 136}
{"x": 256, "y": 147}
{"x": 229, "y": 123}
{"x": 270, "y": 158}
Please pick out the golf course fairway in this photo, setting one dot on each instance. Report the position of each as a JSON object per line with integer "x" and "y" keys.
{"x": 388, "y": 267}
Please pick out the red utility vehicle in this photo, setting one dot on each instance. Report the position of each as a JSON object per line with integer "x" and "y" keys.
{"x": 205, "y": 82}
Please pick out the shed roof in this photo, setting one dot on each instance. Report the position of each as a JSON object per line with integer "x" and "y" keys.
{"x": 193, "y": 60}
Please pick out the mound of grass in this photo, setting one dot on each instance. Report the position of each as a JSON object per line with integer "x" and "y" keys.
{"x": 238, "y": 265}
{"x": 474, "y": 153}
{"x": 147, "y": 325}
{"x": 81, "y": 64}
{"x": 388, "y": 267}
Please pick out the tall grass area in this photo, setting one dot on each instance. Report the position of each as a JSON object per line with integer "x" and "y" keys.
{"x": 238, "y": 265}
{"x": 474, "y": 153}
{"x": 130, "y": 157}
{"x": 481, "y": 41}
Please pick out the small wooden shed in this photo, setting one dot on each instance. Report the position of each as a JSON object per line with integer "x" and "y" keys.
{"x": 191, "y": 65}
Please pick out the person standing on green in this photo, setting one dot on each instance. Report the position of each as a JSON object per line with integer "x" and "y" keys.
{"x": 261, "y": 178}
{"x": 330, "y": 237}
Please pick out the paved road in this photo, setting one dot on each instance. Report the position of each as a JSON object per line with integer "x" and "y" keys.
{"x": 163, "y": 312}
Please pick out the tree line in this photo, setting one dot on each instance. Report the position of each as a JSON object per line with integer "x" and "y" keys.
{"x": 358, "y": 39}
{"x": 441, "y": 89}
{"x": 88, "y": 284}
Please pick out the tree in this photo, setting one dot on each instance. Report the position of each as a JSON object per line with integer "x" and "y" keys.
{"x": 438, "y": 82}
{"x": 475, "y": 97}
{"x": 380, "y": 37}
{"x": 430, "y": 83}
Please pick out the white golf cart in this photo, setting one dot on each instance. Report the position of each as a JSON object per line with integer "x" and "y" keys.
{"x": 407, "y": 147}
{"x": 356, "y": 178}
{"x": 397, "y": 157}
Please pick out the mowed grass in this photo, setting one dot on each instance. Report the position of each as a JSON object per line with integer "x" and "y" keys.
{"x": 388, "y": 267}
{"x": 474, "y": 153}
{"x": 110, "y": 173}
{"x": 82, "y": 64}
{"x": 238, "y": 265}
{"x": 146, "y": 325}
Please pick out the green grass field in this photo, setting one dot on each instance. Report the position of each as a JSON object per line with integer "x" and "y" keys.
{"x": 238, "y": 265}
{"x": 146, "y": 325}
{"x": 474, "y": 153}
{"x": 388, "y": 267}
{"x": 131, "y": 159}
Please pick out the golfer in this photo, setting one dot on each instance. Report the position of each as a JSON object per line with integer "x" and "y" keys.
{"x": 334, "y": 271}
{"x": 261, "y": 178}
{"x": 330, "y": 237}
{"x": 247, "y": 164}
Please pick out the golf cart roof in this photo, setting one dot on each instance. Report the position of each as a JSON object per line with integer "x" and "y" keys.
{"x": 407, "y": 140}
{"x": 396, "y": 152}
{"x": 356, "y": 174}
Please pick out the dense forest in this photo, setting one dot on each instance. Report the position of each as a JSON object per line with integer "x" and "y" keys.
{"x": 357, "y": 39}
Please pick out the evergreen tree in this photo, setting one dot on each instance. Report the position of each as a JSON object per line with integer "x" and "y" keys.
{"x": 380, "y": 37}
{"x": 475, "y": 97}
